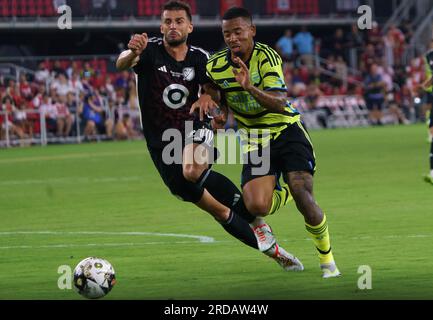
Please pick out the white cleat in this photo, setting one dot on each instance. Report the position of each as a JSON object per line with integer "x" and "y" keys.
{"x": 264, "y": 235}
{"x": 330, "y": 270}
{"x": 286, "y": 260}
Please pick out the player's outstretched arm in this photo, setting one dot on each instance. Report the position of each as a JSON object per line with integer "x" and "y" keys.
{"x": 273, "y": 101}
{"x": 129, "y": 58}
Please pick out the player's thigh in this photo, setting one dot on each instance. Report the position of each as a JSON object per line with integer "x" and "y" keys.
{"x": 195, "y": 160}
{"x": 195, "y": 154}
{"x": 172, "y": 175}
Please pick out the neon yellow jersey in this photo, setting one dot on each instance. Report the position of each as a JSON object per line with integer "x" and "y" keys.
{"x": 266, "y": 73}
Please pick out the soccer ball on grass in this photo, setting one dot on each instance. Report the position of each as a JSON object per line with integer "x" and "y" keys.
{"x": 94, "y": 277}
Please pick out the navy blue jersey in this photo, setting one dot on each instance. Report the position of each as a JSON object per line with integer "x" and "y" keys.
{"x": 167, "y": 88}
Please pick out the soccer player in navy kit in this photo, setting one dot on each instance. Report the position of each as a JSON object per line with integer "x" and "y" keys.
{"x": 170, "y": 74}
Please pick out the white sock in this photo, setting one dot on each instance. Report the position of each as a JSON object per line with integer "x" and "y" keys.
{"x": 431, "y": 173}
{"x": 257, "y": 222}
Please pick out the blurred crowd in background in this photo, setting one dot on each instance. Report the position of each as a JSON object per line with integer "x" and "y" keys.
{"x": 87, "y": 97}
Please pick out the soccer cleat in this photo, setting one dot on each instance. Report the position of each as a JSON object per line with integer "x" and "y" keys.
{"x": 329, "y": 270}
{"x": 286, "y": 260}
{"x": 264, "y": 235}
{"x": 428, "y": 179}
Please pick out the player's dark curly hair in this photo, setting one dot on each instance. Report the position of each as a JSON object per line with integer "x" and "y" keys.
{"x": 237, "y": 12}
{"x": 178, "y": 5}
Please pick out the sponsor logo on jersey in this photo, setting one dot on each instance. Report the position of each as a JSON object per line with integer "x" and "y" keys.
{"x": 188, "y": 74}
{"x": 163, "y": 69}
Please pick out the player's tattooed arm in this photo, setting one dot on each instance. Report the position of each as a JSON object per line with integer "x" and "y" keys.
{"x": 273, "y": 101}
{"x": 129, "y": 58}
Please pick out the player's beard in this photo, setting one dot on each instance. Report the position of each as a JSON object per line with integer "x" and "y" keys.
{"x": 175, "y": 42}
{"x": 238, "y": 54}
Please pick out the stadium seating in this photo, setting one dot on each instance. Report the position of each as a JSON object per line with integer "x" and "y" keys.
{"x": 153, "y": 7}
{"x": 27, "y": 8}
{"x": 282, "y": 7}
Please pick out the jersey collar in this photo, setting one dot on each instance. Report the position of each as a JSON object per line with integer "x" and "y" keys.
{"x": 173, "y": 59}
{"x": 229, "y": 57}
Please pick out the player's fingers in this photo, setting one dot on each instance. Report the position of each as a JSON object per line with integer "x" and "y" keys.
{"x": 212, "y": 105}
{"x": 133, "y": 42}
{"x": 146, "y": 39}
{"x": 193, "y": 108}
{"x": 207, "y": 107}
{"x": 132, "y": 46}
{"x": 242, "y": 64}
{"x": 235, "y": 72}
{"x": 201, "y": 113}
{"x": 140, "y": 41}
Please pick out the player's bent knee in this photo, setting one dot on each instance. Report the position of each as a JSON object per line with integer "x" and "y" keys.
{"x": 259, "y": 208}
{"x": 192, "y": 172}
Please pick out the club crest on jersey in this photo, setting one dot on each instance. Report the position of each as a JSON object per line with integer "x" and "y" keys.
{"x": 188, "y": 74}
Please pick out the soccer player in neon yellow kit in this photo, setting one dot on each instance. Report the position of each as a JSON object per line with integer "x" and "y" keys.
{"x": 249, "y": 74}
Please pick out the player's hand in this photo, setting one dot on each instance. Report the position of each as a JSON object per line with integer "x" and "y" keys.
{"x": 219, "y": 121}
{"x": 242, "y": 75}
{"x": 204, "y": 104}
{"x": 138, "y": 43}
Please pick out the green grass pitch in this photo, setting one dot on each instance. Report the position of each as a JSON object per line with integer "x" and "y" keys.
{"x": 60, "y": 204}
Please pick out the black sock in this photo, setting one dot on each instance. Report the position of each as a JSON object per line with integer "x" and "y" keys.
{"x": 431, "y": 156}
{"x": 225, "y": 191}
{"x": 240, "y": 229}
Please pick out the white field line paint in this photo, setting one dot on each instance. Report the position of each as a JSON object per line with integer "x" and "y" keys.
{"x": 74, "y": 156}
{"x": 125, "y": 244}
{"x": 67, "y": 180}
{"x": 202, "y": 239}
{"x": 103, "y": 233}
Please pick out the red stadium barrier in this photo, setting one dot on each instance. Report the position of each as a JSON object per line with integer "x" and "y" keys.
{"x": 227, "y": 4}
{"x": 27, "y": 8}
{"x": 153, "y": 7}
{"x": 292, "y": 7}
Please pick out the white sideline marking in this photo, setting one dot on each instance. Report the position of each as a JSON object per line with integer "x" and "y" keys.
{"x": 203, "y": 239}
{"x": 69, "y": 180}
{"x": 126, "y": 244}
{"x": 74, "y": 156}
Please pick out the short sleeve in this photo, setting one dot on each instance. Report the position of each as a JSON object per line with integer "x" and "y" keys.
{"x": 145, "y": 59}
{"x": 271, "y": 71}
{"x": 201, "y": 72}
{"x": 208, "y": 72}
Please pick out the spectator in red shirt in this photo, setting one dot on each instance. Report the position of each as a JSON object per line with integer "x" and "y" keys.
{"x": 25, "y": 88}
{"x": 7, "y": 122}
{"x": 64, "y": 117}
